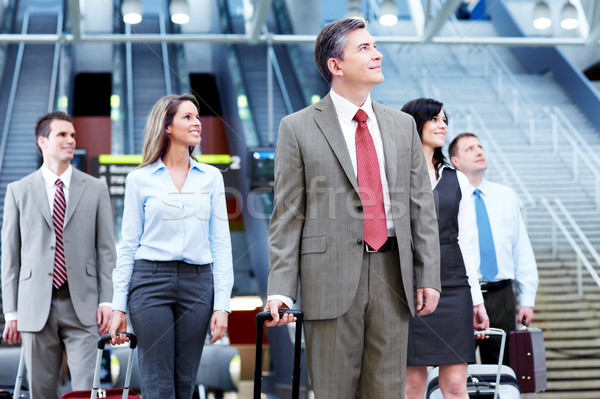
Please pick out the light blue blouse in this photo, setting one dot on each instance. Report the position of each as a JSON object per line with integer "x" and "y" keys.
{"x": 162, "y": 224}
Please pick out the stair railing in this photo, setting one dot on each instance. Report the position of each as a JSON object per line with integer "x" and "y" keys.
{"x": 516, "y": 180}
{"x": 578, "y": 155}
{"x": 581, "y": 258}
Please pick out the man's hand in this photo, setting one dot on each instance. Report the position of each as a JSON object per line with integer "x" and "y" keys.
{"x": 481, "y": 320}
{"x": 525, "y": 315}
{"x": 273, "y": 306}
{"x": 118, "y": 324}
{"x": 427, "y": 300}
{"x": 11, "y": 334}
{"x": 103, "y": 318}
{"x": 218, "y": 325}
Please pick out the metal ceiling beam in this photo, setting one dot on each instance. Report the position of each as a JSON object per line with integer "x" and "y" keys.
{"x": 259, "y": 17}
{"x": 434, "y": 27}
{"x": 75, "y": 13}
{"x": 285, "y": 39}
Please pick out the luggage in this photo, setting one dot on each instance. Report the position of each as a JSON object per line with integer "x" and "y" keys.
{"x": 8, "y": 372}
{"x": 113, "y": 393}
{"x": 483, "y": 380}
{"x": 260, "y": 320}
{"x": 528, "y": 358}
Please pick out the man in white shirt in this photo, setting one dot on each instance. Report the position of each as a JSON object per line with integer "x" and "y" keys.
{"x": 511, "y": 248}
{"x": 58, "y": 253}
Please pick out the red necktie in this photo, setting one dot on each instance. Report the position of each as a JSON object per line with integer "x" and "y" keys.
{"x": 369, "y": 184}
{"x": 58, "y": 217}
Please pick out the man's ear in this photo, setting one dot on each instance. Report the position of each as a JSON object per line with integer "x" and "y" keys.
{"x": 455, "y": 161}
{"x": 41, "y": 140}
{"x": 333, "y": 64}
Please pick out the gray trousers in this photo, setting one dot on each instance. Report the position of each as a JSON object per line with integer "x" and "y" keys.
{"x": 44, "y": 349}
{"x": 363, "y": 350}
{"x": 170, "y": 307}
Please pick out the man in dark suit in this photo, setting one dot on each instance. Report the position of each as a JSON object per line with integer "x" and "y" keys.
{"x": 58, "y": 253}
{"x": 354, "y": 221}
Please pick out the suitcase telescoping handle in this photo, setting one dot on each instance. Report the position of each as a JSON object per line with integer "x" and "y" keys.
{"x": 260, "y": 320}
{"x": 101, "y": 343}
{"x": 502, "y": 334}
{"x": 19, "y": 379}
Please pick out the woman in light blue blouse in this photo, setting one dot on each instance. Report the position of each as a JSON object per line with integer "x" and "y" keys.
{"x": 174, "y": 271}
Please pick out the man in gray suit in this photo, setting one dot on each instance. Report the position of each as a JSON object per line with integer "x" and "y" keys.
{"x": 58, "y": 253}
{"x": 354, "y": 222}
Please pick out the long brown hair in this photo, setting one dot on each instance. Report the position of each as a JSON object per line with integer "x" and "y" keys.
{"x": 156, "y": 139}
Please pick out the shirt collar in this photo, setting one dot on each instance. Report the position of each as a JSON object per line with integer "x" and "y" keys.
{"x": 158, "y": 165}
{"x": 50, "y": 177}
{"x": 346, "y": 110}
{"x": 483, "y": 187}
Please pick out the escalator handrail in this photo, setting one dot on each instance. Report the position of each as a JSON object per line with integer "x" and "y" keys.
{"x": 55, "y": 64}
{"x": 13, "y": 90}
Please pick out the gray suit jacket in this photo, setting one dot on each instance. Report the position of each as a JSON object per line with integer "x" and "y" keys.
{"x": 28, "y": 249}
{"x": 317, "y": 224}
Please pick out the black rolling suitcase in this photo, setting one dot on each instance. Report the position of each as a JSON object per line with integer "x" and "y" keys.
{"x": 260, "y": 321}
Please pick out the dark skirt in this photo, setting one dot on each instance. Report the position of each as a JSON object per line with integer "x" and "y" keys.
{"x": 446, "y": 335}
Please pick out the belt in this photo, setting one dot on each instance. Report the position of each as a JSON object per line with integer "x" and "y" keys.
{"x": 390, "y": 245}
{"x": 494, "y": 285}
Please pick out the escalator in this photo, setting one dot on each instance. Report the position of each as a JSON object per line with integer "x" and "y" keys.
{"x": 149, "y": 75}
{"x": 27, "y": 91}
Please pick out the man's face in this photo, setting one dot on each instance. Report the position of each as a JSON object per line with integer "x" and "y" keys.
{"x": 470, "y": 157}
{"x": 362, "y": 62}
{"x": 59, "y": 146}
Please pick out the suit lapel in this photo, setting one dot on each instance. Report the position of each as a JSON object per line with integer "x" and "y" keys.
{"x": 40, "y": 196}
{"x": 327, "y": 120}
{"x": 75, "y": 192}
{"x": 388, "y": 137}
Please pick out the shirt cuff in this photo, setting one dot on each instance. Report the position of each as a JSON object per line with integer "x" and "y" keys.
{"x": 288, "y": 301}
{"x": 105, "y": 304}
{"x": 527, "y": 300}
{"x": 10, "y": 316}
{"x": 119, "y": 302}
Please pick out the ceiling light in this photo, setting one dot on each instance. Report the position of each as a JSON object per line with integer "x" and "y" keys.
{"x": 131, "y": 11}
{"x": 541, "y": 15}
{"x": 388, "y": 12}
{"x": 568, "y": 16}
{"x": 180, "y": 11}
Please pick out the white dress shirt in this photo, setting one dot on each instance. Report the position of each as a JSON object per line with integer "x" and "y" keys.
{"x": 514, "y": 253}
{"x": 466, "y": 231}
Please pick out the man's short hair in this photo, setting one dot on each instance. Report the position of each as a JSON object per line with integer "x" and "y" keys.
{"x": 42, "y": 125}
{"x": 453, "y": 148}
{"x": 331, "y": 42}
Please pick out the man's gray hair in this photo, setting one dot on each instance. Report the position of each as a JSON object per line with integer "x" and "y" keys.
{"x": 332, "y": 40}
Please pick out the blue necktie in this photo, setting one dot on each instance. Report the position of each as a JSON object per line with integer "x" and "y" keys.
{"x": 487, "y": 252}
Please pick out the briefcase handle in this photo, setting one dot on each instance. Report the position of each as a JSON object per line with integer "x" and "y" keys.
{"x": 261, "y": 317}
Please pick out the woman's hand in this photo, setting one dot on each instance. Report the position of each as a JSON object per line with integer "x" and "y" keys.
{"x": 118, "y": 324}
{"x": 218, "y": 325}
{"x": 481, "y": 321}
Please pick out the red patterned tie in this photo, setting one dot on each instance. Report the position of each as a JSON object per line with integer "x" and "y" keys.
{"x": 58, "y": 217}
{"x": 369, "y": 184}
